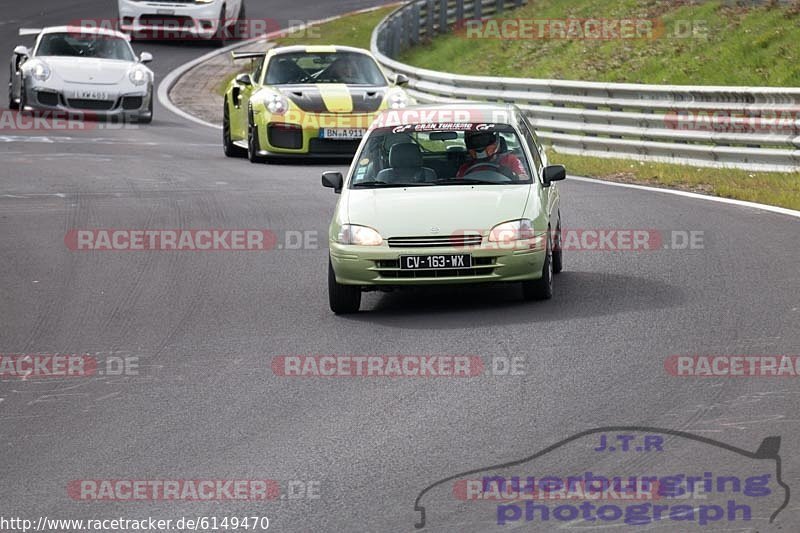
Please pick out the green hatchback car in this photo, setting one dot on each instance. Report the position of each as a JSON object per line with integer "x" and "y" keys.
{"x": 446, "y": 194}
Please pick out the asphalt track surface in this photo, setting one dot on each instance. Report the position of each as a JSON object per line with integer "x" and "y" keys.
{"x": 205, "y": 327}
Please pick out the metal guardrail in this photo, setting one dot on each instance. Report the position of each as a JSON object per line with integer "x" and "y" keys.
{"x": 697, "y": 125}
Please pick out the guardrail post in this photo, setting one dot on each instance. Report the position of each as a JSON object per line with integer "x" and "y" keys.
{"x": 405, "y": 34}
{"x": 429, "y": 20}
{"x": 477, "y": 11}
{"x": 459, "y": 12}
{"x": 395, "y": 33}
{"x": 443, "y": 26}
{"x": 500, "y": 6}
{"x": 383, "y": 42}
{"x": 413, "y": 32}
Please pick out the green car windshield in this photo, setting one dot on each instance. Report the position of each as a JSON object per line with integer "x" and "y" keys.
{"x": 403, "y": 157}
{"x": 350, "y": 68}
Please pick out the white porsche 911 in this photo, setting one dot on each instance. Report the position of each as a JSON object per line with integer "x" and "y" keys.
{"x": 81, "y": 70}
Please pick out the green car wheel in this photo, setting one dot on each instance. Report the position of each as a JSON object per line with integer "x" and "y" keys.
{"x": 542, "y": 288}
{"x": 344, "y": 299}
{"x": 558, "y": 253}
{"x": 231, "y": 150}
{"x": 253, "y": 146}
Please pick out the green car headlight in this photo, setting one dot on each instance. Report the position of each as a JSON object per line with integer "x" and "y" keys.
{"x": 277, "y": 104}
{"x": 359, "y": 235}
{"x": 516, "y": 230}
{"x": 398, "y": 99}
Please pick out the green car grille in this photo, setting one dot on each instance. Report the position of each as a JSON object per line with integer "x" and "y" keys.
{"x": 390, "y": 269}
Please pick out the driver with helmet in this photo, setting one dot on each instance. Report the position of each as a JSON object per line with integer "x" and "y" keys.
{"x": 343, "y": 70}
{"x": 485, "y": 154}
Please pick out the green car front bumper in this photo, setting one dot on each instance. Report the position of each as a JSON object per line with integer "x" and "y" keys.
{"x": 380, "y": 265}
{"x": 299, "y": 133}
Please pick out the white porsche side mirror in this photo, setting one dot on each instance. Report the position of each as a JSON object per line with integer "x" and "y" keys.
{"x": 145, "y": 57}
{"x": 22, "y": 51}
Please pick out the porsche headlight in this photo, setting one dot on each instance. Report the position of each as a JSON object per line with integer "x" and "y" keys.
{"x": 360, "y": 235}
{"x": 398, "y": 99}
{"x": 277, "y": 104}
{"x": 138, "y": 76}
{"x": 516, "y": 230}
{"x": 39, "y": 70}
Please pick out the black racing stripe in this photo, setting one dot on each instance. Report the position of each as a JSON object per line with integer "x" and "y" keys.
{"x": 309, "y": 98}
{"x": 367, "y": 100}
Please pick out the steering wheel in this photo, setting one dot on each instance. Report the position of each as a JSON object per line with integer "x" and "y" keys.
{"x": 308, "y": 77}
{"x": 314, "y": 76}
{"x": 505, "y": 171}
{"x": 478, "y": 164}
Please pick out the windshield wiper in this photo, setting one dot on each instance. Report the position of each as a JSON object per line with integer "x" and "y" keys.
{"x": 376, "y": 184}
{"x": 466, "y": 181}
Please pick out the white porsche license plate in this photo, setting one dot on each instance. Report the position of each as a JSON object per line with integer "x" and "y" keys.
{"x": 165, "y": 11}
{"x": 90, "y": 94}
{"x": 342, "y": 133}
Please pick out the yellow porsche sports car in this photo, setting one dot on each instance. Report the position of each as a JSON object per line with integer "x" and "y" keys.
{"x": 306, "y": 101}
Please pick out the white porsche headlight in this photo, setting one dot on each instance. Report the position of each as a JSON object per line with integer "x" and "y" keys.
{"x": 360, "y": 235}
{"x": 516, "y": 230}
{"x": 39, "y": 69}
{"x": 398, "y": 99}
{"x": 138, "y": 76}
{"x": 277, "y": 104}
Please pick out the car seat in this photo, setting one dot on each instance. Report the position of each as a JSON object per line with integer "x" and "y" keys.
{"x": 405, "y": 160}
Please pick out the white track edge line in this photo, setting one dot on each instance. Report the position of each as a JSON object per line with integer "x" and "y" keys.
{"x": 686, "y": 194}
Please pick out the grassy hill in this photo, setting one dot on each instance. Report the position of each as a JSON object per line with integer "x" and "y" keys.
{"x": 715, "y": 42}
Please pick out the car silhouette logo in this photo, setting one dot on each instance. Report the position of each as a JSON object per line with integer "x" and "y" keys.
{"x": 489, "y": 483}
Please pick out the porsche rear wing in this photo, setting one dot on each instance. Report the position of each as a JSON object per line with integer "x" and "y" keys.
{"x": 30, "y": 31}
{"x": 247, "y": 55}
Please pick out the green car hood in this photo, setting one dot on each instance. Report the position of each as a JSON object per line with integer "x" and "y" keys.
{"x": 416, "y": 211}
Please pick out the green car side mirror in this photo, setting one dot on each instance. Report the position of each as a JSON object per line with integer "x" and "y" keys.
{"x": 333, "y": 180}
{"x": 553, "y": 173}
